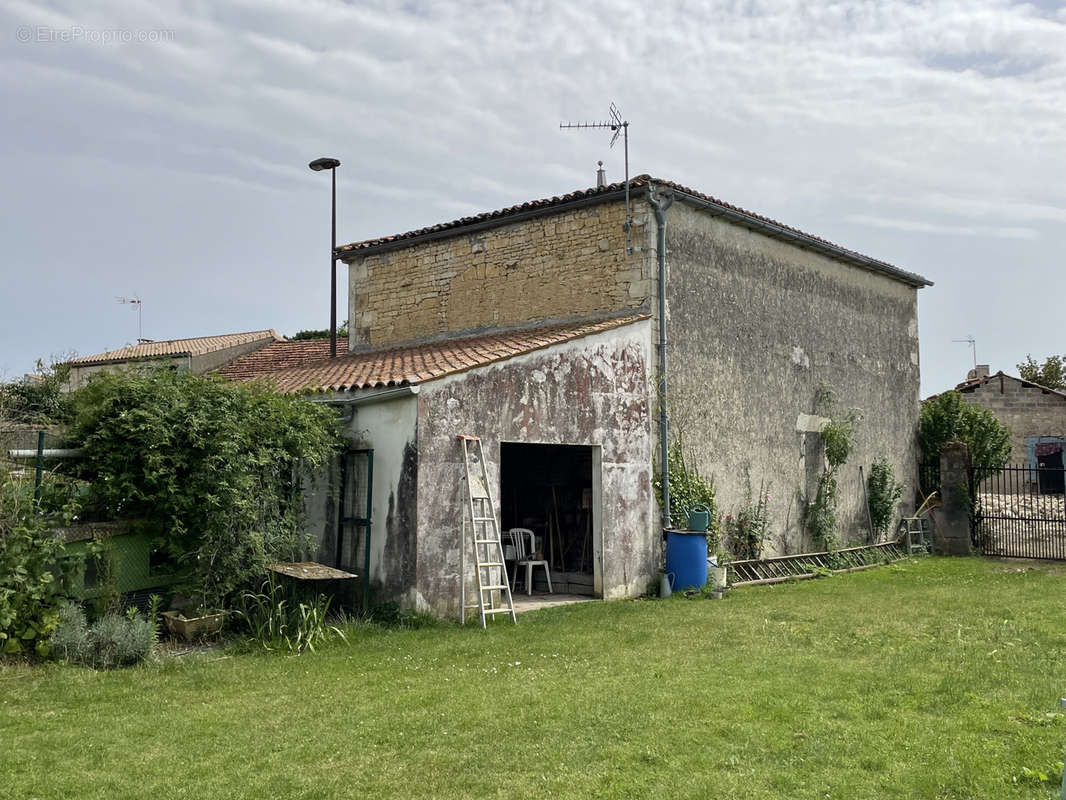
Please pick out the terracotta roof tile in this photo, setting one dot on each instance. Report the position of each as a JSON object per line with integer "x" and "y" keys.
{"x": 285, "y": 354}
{"x": 306, "y": 366}
{"x": 176, "y": 347}
{"x": 737, "y": 213}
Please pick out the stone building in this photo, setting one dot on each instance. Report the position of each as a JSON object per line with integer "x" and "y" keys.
{"x": 759, "y": 317}
{"x": 1035, "y": 414}
{"x": 198, "y": 355}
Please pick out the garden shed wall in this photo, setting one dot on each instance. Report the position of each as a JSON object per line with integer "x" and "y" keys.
{"x": 389, "y": 428}
{"x": 590, "y": 391}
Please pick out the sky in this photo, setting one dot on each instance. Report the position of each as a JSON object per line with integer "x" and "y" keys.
{"x": 159, "y": 149}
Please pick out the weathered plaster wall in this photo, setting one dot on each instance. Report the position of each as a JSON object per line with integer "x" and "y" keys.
{"x": 389, "y": 428}
{"x": 79, "y": 376}
{"x": 754, "y": 326}
{"x": 1028, "y": 411}
{"x": 592, "y": 391}
{"x": 558, "y": 265}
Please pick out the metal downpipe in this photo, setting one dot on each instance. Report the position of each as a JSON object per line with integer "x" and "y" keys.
{"x": 660, "y": 207}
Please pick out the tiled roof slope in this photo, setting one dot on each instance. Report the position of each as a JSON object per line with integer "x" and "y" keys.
{"x": 636, "y": 184}
{"x": 177, "y": 347}
{"x": 410, "y": 364}
{"x": 281, "y": 355}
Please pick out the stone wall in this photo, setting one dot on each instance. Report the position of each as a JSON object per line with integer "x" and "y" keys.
{"x": 755, "y": 326}
{"x": 554, "y": 266}
{"x": 1028, "y": 411}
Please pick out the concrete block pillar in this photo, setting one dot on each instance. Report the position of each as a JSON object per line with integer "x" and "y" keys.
{"x": 952, "y": 536}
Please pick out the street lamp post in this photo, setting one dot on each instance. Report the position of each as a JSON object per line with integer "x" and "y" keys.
{"x": 318, "y": 165}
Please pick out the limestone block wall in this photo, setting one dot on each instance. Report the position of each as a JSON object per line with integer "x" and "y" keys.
{"x": 567, "y": 264}
{"x": 1028, "y": 411}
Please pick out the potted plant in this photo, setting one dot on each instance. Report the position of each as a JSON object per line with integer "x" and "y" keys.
{"x": 192, "y": 620}
{"x": 200, "y": 625}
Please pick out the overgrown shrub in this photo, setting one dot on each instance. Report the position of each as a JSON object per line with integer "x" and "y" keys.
{"x": 747, "y": 530}
{"x": 37, "y": 576}
{"x": 883, "y": 492}
{"x": 218, "y": 467}
{"x": 279, "y": 620}
{"x": 114, "y": 640}
{"x": 687, "y": 489}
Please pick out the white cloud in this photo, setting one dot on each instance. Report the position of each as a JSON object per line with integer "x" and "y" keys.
{"x": 921, "y": 226}
{"x": 872, "y": 121}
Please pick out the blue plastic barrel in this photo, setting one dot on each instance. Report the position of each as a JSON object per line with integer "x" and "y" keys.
{"x": 686, "y": 558}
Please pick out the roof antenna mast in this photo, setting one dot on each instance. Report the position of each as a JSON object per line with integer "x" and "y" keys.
{"x": 973, "y": 346}
{"x": 135, "y": 304}
{"x": 621, "y": 128}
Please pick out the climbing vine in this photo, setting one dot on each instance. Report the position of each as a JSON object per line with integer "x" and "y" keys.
{"x": 838, "y": 440}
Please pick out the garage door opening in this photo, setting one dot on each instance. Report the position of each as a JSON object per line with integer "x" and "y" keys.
{"x": 553, "y": 490}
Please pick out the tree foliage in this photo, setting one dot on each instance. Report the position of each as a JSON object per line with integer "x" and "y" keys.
{"x": 323, "y": 333}
{"x": 1050, "y": 374}
{"x": 36, "y": 576}
{"x": 946, "y": 417}
{"x": 217, "y": 467}
{"x": 39, "y": 399}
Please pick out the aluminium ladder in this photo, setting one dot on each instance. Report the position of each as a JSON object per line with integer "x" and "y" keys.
{"x": 493, "y": 588}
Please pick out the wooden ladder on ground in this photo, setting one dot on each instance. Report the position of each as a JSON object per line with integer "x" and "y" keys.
{"x": 493, "y": 588}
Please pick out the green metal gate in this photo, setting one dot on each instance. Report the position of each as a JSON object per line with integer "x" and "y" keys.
{"x": 355, "y": 508}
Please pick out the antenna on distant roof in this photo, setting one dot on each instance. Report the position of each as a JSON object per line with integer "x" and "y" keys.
{"x": 621, "y": 128}
{"x": 973, "y": 346}
{"x": 135, "y": 304}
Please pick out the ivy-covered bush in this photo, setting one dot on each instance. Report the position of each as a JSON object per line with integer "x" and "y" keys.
{"x": 37, "y": 577}
{"x": 217, "y": 467}
{"x": 883, "y": 492}
{"x": 688, "y": 488}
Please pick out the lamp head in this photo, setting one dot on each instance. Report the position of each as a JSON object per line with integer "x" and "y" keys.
{"x": 320, "y": 164}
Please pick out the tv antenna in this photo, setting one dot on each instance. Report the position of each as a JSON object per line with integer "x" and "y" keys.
{"x": 973, "y": 346}
{"x": 135, "y": 304}
{"x": 621, "y": 128}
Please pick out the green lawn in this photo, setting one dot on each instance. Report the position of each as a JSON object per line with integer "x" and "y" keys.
{"x": 932, "y": 678}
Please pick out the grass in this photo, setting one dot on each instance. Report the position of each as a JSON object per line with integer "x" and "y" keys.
{"x": 933, "y": 678}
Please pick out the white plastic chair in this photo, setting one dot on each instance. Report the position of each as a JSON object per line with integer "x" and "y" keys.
{"x": 524, "y": 545}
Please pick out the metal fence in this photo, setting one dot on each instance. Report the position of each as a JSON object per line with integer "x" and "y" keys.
{"x": 1019, "y": 511}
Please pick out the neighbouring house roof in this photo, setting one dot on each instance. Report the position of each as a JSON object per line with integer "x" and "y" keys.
{"x": 281, "y": 355}
{"x": 615, "y": 191}
{"x": 293, "y": 369}
{"x": 973, "y": 383}
{"x": 198, "y": 346}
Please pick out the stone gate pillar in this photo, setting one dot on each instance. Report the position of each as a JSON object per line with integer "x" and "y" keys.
{"x": 952, "y": 536}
